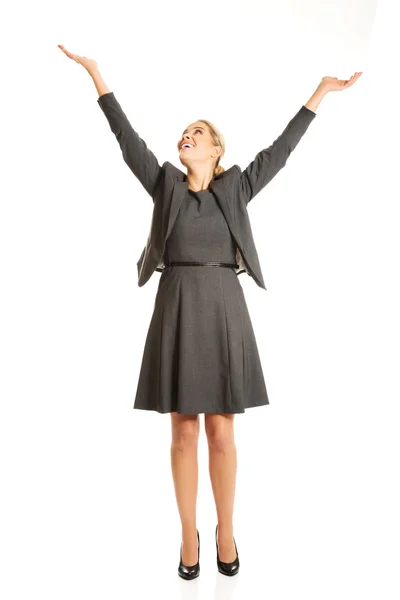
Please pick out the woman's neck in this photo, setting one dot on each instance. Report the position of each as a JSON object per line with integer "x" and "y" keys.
{"x": 198, "y": 182}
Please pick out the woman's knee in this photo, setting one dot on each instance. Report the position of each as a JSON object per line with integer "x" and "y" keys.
{"x": 185, "y": 429}
{"x": 219, "y": 431}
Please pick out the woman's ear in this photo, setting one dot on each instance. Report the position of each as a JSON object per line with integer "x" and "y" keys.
{"x": 218, "y": 152}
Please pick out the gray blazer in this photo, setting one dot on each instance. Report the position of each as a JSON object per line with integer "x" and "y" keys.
{"x": 233, "y": 188}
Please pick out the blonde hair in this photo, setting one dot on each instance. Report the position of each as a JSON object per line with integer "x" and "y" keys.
{"x": 218, "y": 140}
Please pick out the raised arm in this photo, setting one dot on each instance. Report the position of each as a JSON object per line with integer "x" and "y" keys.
{"x": 141, "y": 161}
{"x": 268, "y": 162}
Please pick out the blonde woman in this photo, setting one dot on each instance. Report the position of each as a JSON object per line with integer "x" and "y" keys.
{"x": 200, "y": 354}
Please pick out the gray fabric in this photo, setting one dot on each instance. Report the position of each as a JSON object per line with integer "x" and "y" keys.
{"x": 233, "y": 188}
{"x": 200, "y": 353}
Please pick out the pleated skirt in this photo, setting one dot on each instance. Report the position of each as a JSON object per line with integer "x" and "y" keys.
{"x": 200, "y": 353}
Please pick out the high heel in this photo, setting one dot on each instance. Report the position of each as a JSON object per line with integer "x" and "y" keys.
{"x": 193, "y": 571}
{"x": 227, "y": 568}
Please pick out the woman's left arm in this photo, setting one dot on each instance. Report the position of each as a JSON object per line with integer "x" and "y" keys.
{"x": 269, "y": 161}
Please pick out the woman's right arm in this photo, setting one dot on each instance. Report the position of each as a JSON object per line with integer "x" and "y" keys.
{"x": 141, "y": 161}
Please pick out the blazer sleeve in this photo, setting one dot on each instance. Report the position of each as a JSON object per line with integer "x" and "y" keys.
{"x": 269, "y": 161}
{"x": 141, "y": 161}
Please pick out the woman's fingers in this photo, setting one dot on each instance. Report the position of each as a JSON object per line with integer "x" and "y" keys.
{"x": 353, "y": 78}
{"x": 69, "y": 54}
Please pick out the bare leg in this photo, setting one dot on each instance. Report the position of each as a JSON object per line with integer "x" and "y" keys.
{"x": 223, "y": 467}
{"x": 184, "y": 445}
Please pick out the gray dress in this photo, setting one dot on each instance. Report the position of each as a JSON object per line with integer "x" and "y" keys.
{"x": 200, "y": 354}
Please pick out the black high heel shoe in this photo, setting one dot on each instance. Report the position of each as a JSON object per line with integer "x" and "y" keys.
{"x": 193, "y": 571}
{"x": 227, "y": 568}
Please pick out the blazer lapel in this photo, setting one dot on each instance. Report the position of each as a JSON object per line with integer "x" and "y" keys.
{"x": 178, "y": 194}
{"x": 222, "y": 195}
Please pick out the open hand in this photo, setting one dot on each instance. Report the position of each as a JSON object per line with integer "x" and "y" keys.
{"x": 88, "y": 63}
{"x": 333, "y": 84}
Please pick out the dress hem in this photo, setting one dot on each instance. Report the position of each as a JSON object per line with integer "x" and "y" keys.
{"x": 202, "y": 412}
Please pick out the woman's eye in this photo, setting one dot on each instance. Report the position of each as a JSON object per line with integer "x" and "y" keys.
{"x": 198, "y": 130}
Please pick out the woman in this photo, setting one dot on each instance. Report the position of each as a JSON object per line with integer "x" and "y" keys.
{"x": 200, "y": 354}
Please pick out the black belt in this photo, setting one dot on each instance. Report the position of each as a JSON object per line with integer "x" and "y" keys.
{"x": 205, "y": 263}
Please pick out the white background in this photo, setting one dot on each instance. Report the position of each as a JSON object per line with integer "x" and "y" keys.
{"x": 87, "y": 503}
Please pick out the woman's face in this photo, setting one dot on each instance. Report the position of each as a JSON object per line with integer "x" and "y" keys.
{"x": 202, "y": 148}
